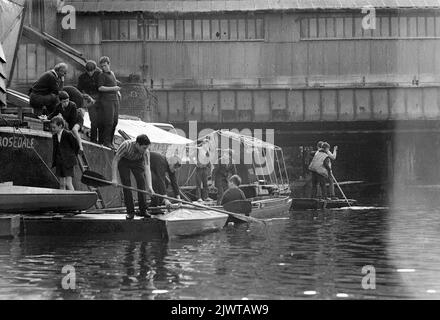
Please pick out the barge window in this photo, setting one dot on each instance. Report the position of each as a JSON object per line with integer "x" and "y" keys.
{"x": 338, "y": 26}
{"x": 234, "y": 28}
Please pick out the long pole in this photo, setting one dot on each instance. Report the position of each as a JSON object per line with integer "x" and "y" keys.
{"x": 235, "y": 215}
{"x": 339, "y": 187}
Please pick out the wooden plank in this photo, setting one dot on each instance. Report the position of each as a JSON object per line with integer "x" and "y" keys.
{"x": 346, "y": 108}
{"x": 41, "y": 60}
{"x": 210, "y": 106}
{"x": 430, "y": 103}
{"x": 415, "y": 104}
{"x": 315, "y": 61}
{"x": 406, "y": 53}
{"x": 430, "y": 27}
{"x": 227, "y": 106}
{"x": 339, "y": 27}
{"x": 176, "y": 106}
{"x": 394, "y": 26}
{"x": 328, "y": 104}
{"x": 426, "y": 56}
{"x": 299, "y": 58}
{"x": 193, "y": 105}
{"x": 378, "y": 57}
{"x": 312, "y": 105}
{"x": 295, "y": 105}
{"x": 31, "y": 62}
{"x": 403, "y": 27}
{"x": 361, "y": 65}
{"x": 421, "y": 26}
{"x": 244, "y": 105}
{"x": 261, "y": 105}
{"x": 331, "y": 58}
{"x": 348, "y": 27}
{"x": 362, "y": 104}
{"x": 397, "y": 100}
{"x": 380, "y": 104}
{"x": 412, "y": 27}
{"x": 358, "y": 27}
{"x": 162, "y": 106}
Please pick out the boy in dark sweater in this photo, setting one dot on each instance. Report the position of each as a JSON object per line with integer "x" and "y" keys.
{"x": 109, "y": 103}
{"x": 70, "y": 113}
{"x": 234, "y": 192}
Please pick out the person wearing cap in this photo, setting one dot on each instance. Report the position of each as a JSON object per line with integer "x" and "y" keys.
{"x": 88, "y": 85}
{"x": 43, "y": 95}
{"x": 320, "y": 168}
{"x": 161, "y": 167}
{"x": 234, "y": 192}
{"x": 69, "y": 112}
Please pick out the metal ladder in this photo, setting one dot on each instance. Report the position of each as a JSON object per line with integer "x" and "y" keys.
{"x": 84, "y": 165}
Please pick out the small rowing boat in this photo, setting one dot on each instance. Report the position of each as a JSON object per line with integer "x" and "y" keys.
{"x": 23, "y": 199}
{"x": 187, "y": 221}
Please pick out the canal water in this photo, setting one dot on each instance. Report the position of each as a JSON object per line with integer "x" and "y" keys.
{"x": 341, "y": 254}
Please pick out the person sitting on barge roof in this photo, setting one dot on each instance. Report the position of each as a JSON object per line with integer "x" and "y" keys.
{"x": 43, "y": 95}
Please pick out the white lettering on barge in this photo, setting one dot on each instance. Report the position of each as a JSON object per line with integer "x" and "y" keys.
{"x": 16, "y": 142}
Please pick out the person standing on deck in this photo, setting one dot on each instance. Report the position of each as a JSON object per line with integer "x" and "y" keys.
{"x": 109, "y": 103}
{"x": 133, "y": 156}
{"x": 160, "y": 167}
{"x": 320, "y": 167}
{"x": 88, "y": 85}
{"x": 43, "y": 95}
{"x": 70, "y": 113}
{"x": 234, "y": 192}
{"x": 221, "y": 172}
{"x": 65, "y": 150}
{"x": 203, "y": 169}
{"x": 332, "y": 156}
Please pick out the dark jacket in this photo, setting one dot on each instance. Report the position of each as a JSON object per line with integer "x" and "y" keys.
{"x": 89, "y": 84}
{"x": 48, "y": 83}
{"x": 159, "y": 166}
{"x": 69, "y": 113}
{"x": 66, "y": 150}
{"x": 232, "y": 194}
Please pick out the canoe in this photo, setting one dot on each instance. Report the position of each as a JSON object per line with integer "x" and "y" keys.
{"x": 319, "y": 204}
{"x": 271, "y": 207}
{"x": 23, "y": 199}
{"x": 262, "y": 208}
{"x": 190, "y": 221}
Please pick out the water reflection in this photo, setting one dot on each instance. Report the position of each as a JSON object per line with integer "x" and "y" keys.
{"x": 307, "y": 255}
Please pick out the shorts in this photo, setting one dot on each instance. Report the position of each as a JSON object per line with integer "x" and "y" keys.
{"x": 62, "y": 171}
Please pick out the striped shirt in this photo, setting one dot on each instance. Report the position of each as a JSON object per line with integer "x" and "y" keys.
{"x": 128, "y": 150}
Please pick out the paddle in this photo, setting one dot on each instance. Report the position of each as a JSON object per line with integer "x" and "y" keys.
{"x": 339, "y": 187}
{"x": 96, "y": 180}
